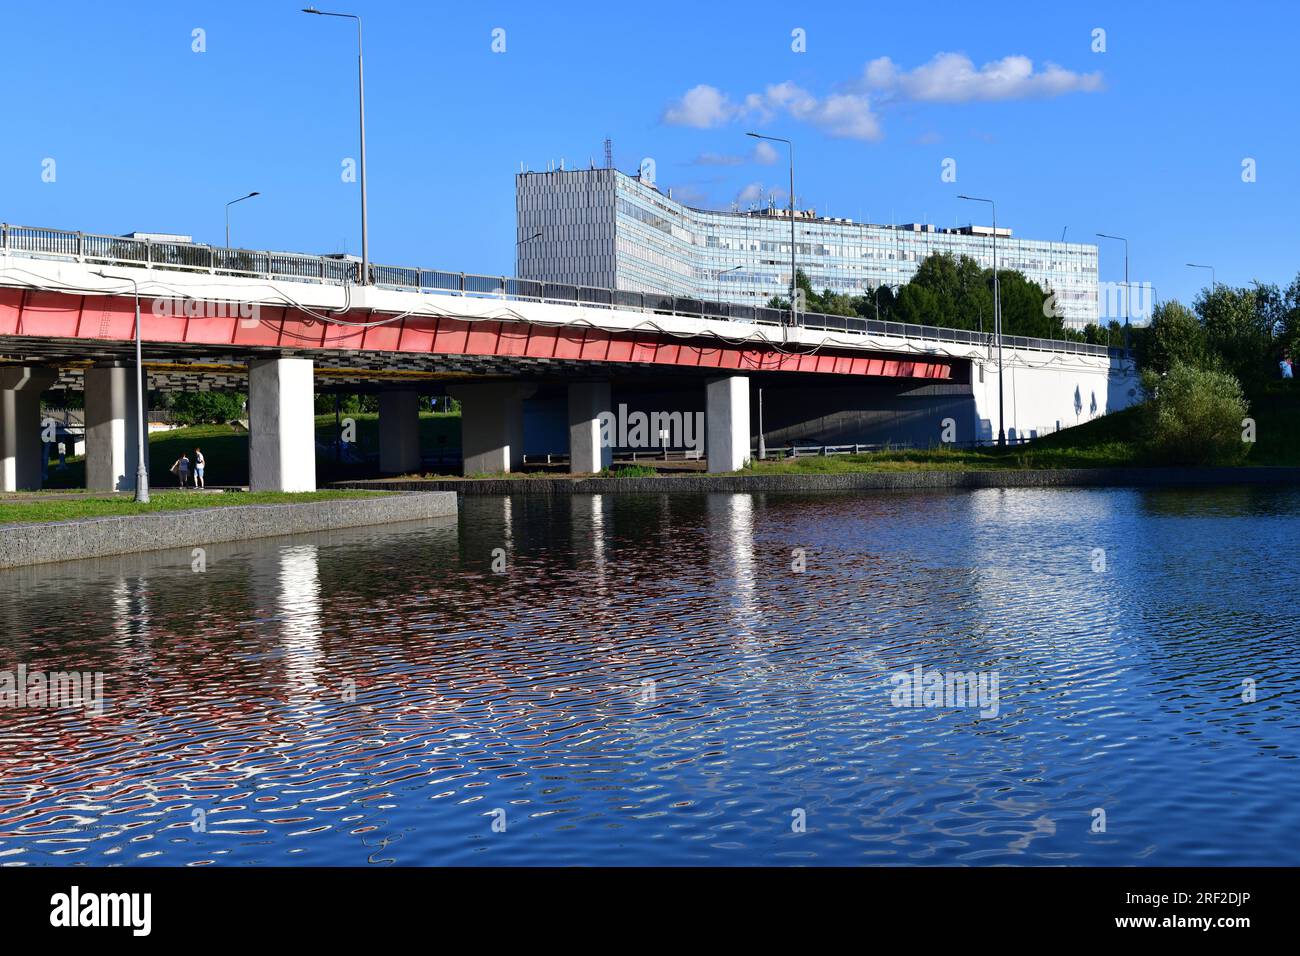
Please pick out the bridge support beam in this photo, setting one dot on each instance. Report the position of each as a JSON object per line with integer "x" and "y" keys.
{"x": 587, "y": 455}
{"x": 399, "y": 432}
{"x": 111, "y": 429}
{"x": 726, "y": 423}
{"x": 281, "y": 425}
{"x": 20, "y": 425}
{"x": 492, "y": 425}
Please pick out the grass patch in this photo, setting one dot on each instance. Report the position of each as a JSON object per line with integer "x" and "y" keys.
{"x": 46, "y": 508}
{"x": 1102, "y": 443}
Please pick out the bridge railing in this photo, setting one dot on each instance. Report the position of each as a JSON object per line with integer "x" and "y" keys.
{"x": 39, "y": 242}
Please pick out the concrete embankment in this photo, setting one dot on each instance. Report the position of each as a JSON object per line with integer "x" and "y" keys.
{"x": 863, "y": 481}
{"x": 46, "y": 542}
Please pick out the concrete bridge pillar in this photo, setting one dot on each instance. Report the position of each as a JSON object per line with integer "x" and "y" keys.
{"x": 399, "y": 432}
{"x": 20, "y": 425}
{"x": 111, "y": 430}
{"x": 726, "y": 423}
{"x": 492, "y": 425}
{"x": 586, "y": 401}
{"x": 281, "y": 425}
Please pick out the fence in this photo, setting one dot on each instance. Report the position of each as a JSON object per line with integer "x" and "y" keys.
{"x": 38, "y": 242}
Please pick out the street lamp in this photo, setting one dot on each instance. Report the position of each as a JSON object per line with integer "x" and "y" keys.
{"x": 361, "y": 87}
{"x": 793, "y": 282}
{"x": 1213, "y": 282}
{"x": 997, "y": 316}
{"x": 1127, "y": 287}
{"x": 718, "y": 278}
{"x": 536, "y": 235}
{"x": 141, "y": 473}
{"x": 228, "y": 205}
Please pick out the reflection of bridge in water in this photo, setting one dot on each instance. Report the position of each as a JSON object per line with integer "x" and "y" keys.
{"x": 533, "y": 364}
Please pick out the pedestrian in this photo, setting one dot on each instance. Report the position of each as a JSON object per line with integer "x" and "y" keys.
{"x": 181, "y": 469}
{"x": 199, "y": 462}
{"x": 1285, "y": 367}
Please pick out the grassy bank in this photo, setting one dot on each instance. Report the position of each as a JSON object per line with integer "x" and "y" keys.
{"x": 44, "y": 506}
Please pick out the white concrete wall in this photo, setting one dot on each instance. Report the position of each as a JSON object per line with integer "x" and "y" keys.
{"x": 1045, "y": 392}
{"x": 726, "y": 423}
{"x": 112, "y": 436}
{"x": 492, "y": 426}
{"x": 586, "y": 453}
{"x": 281, "y": 425}
{"x": 20, "y": 426}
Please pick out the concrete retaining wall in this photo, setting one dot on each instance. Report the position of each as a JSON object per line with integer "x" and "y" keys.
{"x": 95, "y": 537}
{"x": 877, "y": 481}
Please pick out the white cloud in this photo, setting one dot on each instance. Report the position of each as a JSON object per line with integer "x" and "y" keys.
{"x": 757, "y": 192}
{"x": 764, "y": 154}
{"x": 849, "y": 114}
{"x": 702, "y": 107}
{"x": 846, "y": 115}
{"x": 953, "y": 78}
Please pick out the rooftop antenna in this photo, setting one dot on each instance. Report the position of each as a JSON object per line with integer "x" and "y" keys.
{"x": 609, "y": 153}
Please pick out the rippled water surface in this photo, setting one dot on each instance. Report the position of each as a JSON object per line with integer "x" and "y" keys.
{"x": 650, "y": 681}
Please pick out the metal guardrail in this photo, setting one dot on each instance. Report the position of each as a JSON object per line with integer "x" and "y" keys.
{"x": 38, "y": 242}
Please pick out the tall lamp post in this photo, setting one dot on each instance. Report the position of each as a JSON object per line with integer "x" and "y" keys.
{"x": 1214, "y": 283}
{"x": 141, "y": 473}
{"x": 793, "y": 282}
{"x": 228, "y": 205}
{"x": 997, "y": 317}
{"x": 1128, "y": 290}
{"x": 718, "y": 278}
{"x": 361, "y": 88}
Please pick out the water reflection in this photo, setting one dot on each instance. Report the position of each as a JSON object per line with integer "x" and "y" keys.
{"x": 650, "y": 680}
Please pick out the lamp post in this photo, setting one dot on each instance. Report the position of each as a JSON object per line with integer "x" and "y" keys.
{"x": 793, "y": 281}
{"x": 361, "y": 88}
{"x": 141, "y": 473}
{"x": 718, "y": 279}
{"x": 1127, "y": 287}
{"x": 997, "y": 317}
{"x": 1213, "y": 281}
{"x": 228, "y": 205}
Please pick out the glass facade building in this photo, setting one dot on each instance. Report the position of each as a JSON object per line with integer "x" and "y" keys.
{"x": 603, "y": 228}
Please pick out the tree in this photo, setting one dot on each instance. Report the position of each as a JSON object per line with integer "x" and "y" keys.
{"x": 204, "y": 408}
{"x": 1194, "y": 417}
{"x": 1239, "y": 325}
{"x": 1174, "y": 337}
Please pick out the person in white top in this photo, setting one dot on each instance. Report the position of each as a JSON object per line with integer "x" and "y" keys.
{"x": 199, "y": 462}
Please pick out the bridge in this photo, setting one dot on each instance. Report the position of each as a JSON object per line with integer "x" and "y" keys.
{"x": 521, "y": 356}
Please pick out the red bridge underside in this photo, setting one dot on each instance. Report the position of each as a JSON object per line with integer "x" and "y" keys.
{"x": 60, "y": 315}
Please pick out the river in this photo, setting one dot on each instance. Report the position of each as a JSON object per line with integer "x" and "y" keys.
{"x": 678, "y": 679}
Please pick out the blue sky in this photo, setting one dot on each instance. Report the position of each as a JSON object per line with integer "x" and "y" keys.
{"x": 1145, "y": 140}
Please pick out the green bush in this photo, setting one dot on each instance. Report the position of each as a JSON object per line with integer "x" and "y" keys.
{"x": 1194, "y": 417}
{"x": 207, "y": 408}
